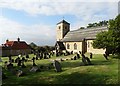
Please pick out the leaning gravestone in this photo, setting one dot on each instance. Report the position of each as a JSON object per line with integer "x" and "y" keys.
{"x": 84, "y": 59}
{"x": 105, "y": 56}
{"x": 34, "y": 69}
{"x": 57, "y": 66}
{"x": 88, "y": 61}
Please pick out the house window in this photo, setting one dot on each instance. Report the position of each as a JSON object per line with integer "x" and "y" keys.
{"x": 75, "y": 46}
{"x": 68, "y": 46}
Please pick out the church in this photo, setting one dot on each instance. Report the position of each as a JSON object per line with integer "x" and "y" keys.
{"x": 77, "y": 40}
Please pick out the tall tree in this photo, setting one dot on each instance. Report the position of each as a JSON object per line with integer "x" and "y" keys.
{"x": 110, "y": 39}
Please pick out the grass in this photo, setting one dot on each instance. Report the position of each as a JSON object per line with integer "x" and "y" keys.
{"x": 101, "y": 72}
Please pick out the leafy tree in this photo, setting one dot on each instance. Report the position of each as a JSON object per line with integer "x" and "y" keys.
{"x": 109, "y": 40}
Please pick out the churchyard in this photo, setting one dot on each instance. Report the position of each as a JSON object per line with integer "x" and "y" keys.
{"x": 70, "y": 70}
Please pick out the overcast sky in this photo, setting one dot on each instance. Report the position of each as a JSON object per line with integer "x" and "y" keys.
{"x": 35, "y": 20}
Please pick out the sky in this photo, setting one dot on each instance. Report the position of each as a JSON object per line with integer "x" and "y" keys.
{"x": 35, "y": 20}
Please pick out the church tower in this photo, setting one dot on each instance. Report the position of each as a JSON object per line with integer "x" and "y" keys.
{"x": 63, "y": 28}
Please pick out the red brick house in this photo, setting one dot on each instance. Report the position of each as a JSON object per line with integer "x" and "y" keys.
{"x": 14, "y": 48}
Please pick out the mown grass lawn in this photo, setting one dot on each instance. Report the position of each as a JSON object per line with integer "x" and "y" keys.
{"x": 101, "y": 72}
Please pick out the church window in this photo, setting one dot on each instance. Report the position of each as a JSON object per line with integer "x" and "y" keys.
{"x": 68, "y": 46}
{"x": 75, "y": 46}
{"x": 88, "y": 44}
{"x": 59, "y": 27}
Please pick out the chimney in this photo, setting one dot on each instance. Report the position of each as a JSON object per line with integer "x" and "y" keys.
{"x": 18, "y": 39}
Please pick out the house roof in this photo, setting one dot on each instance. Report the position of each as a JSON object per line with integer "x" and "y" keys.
{"x": 81, "y": 34}
{"x": 17, "y": 45}
{"x": 63, "y": 21}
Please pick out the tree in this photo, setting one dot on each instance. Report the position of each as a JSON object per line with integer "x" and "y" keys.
{"x": 109, "y": 40}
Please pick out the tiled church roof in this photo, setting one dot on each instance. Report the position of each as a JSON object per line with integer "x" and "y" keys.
{"x": 81, "y": 34}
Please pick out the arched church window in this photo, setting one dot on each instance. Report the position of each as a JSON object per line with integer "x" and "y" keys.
{"x": 68, "y": 46}
{"x": 59, "y": 27}
{"x": 75, "y": 46}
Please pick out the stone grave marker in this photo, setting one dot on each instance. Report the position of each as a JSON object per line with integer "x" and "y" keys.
{"x": 106, "y": 57}
{"x": 19, "y": 73}
{"x": 88, "y": 61}
{"x": 78, "y": 56}
{"x": 34, "y": 69}
{"x": 57, "y": 66}
{"x": 33, "y": 61}
{"x": 91, "y": 55}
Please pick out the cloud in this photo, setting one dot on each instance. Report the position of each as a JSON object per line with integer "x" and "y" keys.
{"x": 53, "y": 7}
{"x": 84, "y": 11}
{"x": 42, "y": 34}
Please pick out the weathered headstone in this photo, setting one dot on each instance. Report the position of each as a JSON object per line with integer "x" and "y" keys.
{"x": 27, "y": 56}
{"x": 84, "y": 59}
{"x": 91, "y": 55}
{"x": 33, "y": 61}
{"x": 78, "y": 56}
{"x": 19, "y": 62}
{"x": 19, "y": 73}
{"x": 57, "y": 66}
{"x": 23, "y": 60}
{"x": 74, "y": 58}
{"x": 10, "y": 59}
{"x": 88, "y": 61}
{"x": 106, "y": 57}
{"x": 34, "y": 69}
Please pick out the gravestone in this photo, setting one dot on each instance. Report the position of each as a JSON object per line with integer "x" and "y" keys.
{"x": 19, "y": 62}
{"x": 71, "y": 52}
{"x": 10, "y": 66}
{"x": 57, "y": 66}
{"x": 23, "y": 60}
{"x": 84, "y": 59}
{"x": 106, "y": 57}
{"x": 19, "y": 73}
{"x": 33, "y": 61}
{"x": 91, "y": 55}
{"x": 27, "y": 56}
{"x": 10, "y": 59}
{"x": 80, "y": 52}
{"x": 88, "y": 61}
{"x": 36, "y": 57}
{"x": 74, "y": 58}
{"x": 61, "y": 59}
{"x": 78, "y": 56}
{"x": 34, "y": 69}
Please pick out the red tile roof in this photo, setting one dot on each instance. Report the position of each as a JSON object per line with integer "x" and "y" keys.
{"x": 17, "y": 45}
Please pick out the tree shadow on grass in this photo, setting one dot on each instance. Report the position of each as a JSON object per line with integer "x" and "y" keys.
{"x": 81, "y": 78}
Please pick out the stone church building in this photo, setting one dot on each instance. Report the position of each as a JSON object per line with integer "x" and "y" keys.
{"x": 77, "y": 40}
